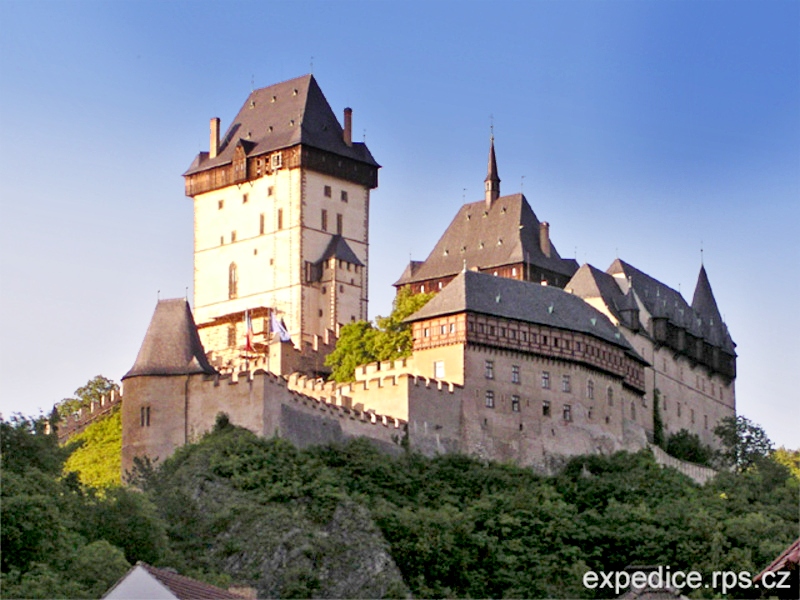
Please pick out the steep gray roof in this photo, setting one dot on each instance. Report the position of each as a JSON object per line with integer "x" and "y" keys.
{"x": 506, "y": 233}
{"x": 591, "y": 282}
{"x": 482, "y": 293}
{"x": 339, "y": 248}
{"x": 280, "y": 116}
{"x": 171, "y": 345}
{"x": 702, "y": 319}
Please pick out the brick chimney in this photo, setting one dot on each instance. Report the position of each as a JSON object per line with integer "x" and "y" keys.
{"x": 213, "y": 147}
{"x": 544, "y": 238}
{"x": 347, "y": 135}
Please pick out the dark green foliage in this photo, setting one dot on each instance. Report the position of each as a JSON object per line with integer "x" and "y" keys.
{"x": 236, "y": 508}
{"x": 744, "y": 443}
{"x": 658, "y": 423}
{"x": 59, "y": 538}
{"x": 361, "y": 342}
{"x": 687, "y": 446}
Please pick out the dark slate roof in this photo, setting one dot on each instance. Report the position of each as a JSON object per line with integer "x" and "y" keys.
{"x": 339, "y": 248}
{"x": 661, "y": 301}
{"x": 591, "y": 282}
{"x": 482, "y": 293}
{"x": 491, "y": 171}
{"x": 409, "y": 272}
{"x": 280, "y": 116}
{"x": 505, "y": 233}
{"x": 184, "y": 588}
{"x": 703, "y": 301}
{"x": 171, "y": 345}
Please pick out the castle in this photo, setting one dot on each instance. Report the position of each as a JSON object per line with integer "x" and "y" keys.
{"x": 522, "y": 355}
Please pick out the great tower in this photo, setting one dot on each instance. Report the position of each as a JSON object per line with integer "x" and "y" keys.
{"x": 281, "y": 224}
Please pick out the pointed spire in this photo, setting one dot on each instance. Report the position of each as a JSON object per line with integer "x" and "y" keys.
{"x": 492, "y": 181}
{"x": 703, "y": 301}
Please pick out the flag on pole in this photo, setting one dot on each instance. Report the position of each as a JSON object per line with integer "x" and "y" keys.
{"x": 248, "y": 332}
{"x": 279, "y": 327}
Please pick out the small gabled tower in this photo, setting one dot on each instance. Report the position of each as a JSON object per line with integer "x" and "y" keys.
{"x": 492, "y": 181}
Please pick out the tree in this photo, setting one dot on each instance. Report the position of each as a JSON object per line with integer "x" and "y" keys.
{"x": 743, "y": 442}
{"x": 361, "y": 343}
{"x": 94, "y": 390}
{"x": 658, "y": 423}
{"x": 687, "y": 446}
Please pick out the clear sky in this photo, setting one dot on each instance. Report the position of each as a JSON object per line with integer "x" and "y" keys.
{"x": 644, "y": 130}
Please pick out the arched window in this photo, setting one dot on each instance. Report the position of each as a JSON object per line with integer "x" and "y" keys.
{"x": 233, "y": 282}
{"x": 610, "y": 396}
{"x": 590, "y": 390}
{"x": 633, "y": 411}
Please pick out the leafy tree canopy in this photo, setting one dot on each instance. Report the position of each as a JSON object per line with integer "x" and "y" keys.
{"x": 687, "y": 446}
{"x": 390, "y": 338}
{"x": 743, "y": 442}
{"x": 94, "y": 389}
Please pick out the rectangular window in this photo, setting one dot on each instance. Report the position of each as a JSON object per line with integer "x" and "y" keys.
{"x": 443, "y": 329}
{"x": 426, "y": 332}
{"x": 514, "y": 373}
{"x": 438, "y": 369}
{"x": 705, "y": 421}
{"x": 489, "y": 369}
{"x": 280, "y": 218}
{"x": 144, "y": 416}
{"x": 233, "y": 236}
{"x": 566, "y": 385}
{"x": 339, "y": 224}
{"x": 489, "y": 399}
{"x": 514, "y": 403}
{"x": 270, "y": 191}
{"x": 261, "y": 224}
{"x": 231, "y": 336}
{"x": 546, "y": 408}
{"x": 452, "y": 327}
{"x": 244, "y": 198}
{"x": 324, "y": 220}
{"x": 327, "y": 191}
{"x": 567, "y": 412}
{"x": 344, "y": 196}
{"x": 545, "y": 380}
{"x": 220, "y": 204}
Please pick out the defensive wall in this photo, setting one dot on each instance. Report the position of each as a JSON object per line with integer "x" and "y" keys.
{"x": 83, "y": 417}
{"x": 162, "y": 413}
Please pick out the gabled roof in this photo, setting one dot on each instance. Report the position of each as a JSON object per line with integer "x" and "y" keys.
{"x": 171, "y": 345}
{"x": 180, "y": 587}
{"x": 280, "y": 116}
{"x": 787, "y": 560}
{"x": 506, "y": 233}
{"x": 340, "y": 249}
{"x": 702, "y": 319}
{"x": 482, "y": 293}
{"x": 591, "y": 282}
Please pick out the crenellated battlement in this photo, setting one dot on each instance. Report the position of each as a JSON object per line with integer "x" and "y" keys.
{"x": 83, "y": 417}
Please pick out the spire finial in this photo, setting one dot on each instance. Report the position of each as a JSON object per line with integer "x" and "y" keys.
{"x": 701, "y": 253}
{"x": 492, "y": 181}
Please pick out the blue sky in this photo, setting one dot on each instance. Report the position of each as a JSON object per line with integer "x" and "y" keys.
{"x": 643, "y": 130}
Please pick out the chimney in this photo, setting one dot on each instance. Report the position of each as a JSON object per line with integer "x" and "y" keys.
{"x": 213, "y": 147}
{"x": 544, "y": 238}
{"x": 348, "y": 126}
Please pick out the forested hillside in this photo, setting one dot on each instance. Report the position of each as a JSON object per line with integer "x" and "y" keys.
{"x": 347, "y": 521}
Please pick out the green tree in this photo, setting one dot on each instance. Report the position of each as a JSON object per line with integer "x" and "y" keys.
{"x": 361, "y": 342}
{"x": 94, "y": 390}
{"x": 658, "y": 423}
{"x": 97, "y": 453}
{"x": 687, "y": 446}
{"x": 743, "y": 442}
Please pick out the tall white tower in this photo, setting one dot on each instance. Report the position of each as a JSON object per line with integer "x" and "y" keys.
{"x": 281, "y": 222}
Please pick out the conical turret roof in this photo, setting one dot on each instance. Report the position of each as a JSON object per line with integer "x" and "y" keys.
{"x": 171, "y": 345}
